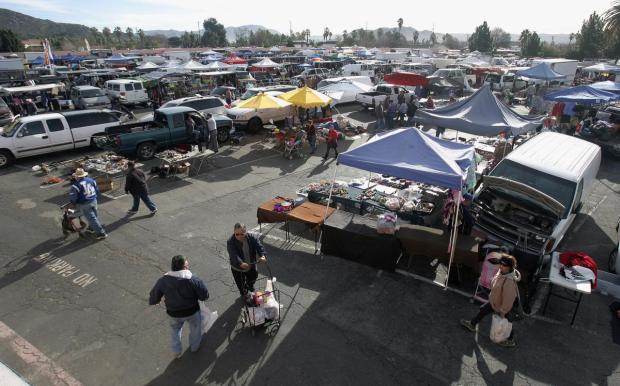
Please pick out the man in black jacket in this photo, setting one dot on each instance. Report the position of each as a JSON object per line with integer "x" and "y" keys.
{"x": 135, "y": 183}
{"x": 181, "y": 292}
{"x": 243, "y": 249}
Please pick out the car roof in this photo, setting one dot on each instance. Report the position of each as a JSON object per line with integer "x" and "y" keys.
{"x": 557, "y": 154}
{"x": 86, "y": 88}
{"x": 176, "y": 110}
{"x": 81, "y": 112}
{"x": 123, "y": 81}
{"x": 192, "y": 98}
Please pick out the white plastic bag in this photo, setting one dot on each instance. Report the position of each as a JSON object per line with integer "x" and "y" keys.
{"x": 207, "y": 317}
{"x": 386, "y": 223}
{"x": 500, "y": 328}
{"x": 256, "y": 315}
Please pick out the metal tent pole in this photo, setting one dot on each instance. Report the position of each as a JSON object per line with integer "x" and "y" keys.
{"x": 329, "y": 198}
{"x": 453, "y": 236}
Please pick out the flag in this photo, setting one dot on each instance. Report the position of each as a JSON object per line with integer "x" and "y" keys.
{"x": 49, "y": 51}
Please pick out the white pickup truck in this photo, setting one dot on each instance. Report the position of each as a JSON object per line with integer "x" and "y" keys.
{"x": 52, "y": 132}
{"x": 381, "y": 92}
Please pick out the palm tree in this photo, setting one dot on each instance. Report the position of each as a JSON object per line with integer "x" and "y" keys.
{"x": 106, "y": 35}
{"x": 611, "y": 18}
{"x": 129, "y": 33}
{"x": 330, "y": 35}
{"x": 307, "y": 32}
{"x": 325, "y": 33}
{"x": 400, "y": 24}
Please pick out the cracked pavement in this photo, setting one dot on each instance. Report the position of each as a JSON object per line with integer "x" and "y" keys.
{"x": 342, "y": 323}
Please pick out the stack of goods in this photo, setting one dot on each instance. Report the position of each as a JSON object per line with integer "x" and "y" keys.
{"x": 106, "y": 163}
{"x": 174, "y": 156}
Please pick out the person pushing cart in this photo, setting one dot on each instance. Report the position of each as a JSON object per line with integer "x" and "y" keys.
{"x": 244, "y": 251}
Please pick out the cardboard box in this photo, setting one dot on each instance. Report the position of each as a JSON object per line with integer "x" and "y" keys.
{"x": 104, "y": 184}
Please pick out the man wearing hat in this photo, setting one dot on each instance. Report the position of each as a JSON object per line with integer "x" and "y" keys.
{"x": 83, "y": 195}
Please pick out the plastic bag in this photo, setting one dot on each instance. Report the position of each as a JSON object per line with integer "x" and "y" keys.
{"x": 207, "y": 317}
{"x": 500, "y": 328}
{"x": 392, "y": 203}
{"x": 256, "y": 315}
{"x": 386, "y": 224}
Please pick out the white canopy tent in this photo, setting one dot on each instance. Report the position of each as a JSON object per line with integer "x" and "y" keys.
{"x": 266, "y": 63}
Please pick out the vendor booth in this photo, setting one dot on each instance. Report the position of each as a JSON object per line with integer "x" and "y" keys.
{"x": 411, "y": 155}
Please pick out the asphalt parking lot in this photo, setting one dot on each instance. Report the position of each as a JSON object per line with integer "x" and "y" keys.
{"x": 83, "y": 306}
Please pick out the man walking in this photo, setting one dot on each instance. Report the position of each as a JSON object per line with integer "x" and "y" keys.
{"x": 332, "y": 143}
{"x": 181, "y": 292}
{"x": 212, "y": 126}
{"x": 135, "y": 184}
{"x": 311, "y": 136}
{"x": 243, "y": 250}
{"x": 83, "y": 196}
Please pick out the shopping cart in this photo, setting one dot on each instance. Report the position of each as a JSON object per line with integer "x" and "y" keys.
{"x": 261, "y": 307}
{"x": 71, "y": 221}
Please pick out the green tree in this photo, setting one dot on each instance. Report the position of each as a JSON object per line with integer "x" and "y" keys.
{"x": 433, "y": 39}
{"x": 9, "y": 41}
{"x": 141, "y": 37}
{"x": 325, "y": 33}
{"x": 174, "y": 41}
{"x": 119, "y": 34}
{"x": 451, "y": 42}
{"x": 107, "y": 33}
{"x": 416, "y": 36}
{"x": 214, "y": 35}
{"x": 481, "y": 40}
{"x": 591, "y": 39}
{"x": 129, "y": 34}
{"x": 399, "y": 22}
{"x": 500, "y": 38}
{"x": 530, "y": 43}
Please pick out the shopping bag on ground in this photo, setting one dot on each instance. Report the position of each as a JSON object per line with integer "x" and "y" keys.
{"x": 207, "y": 317}
{"x": 500, "y": 328}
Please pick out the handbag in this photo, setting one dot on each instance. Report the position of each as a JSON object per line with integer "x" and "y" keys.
{"x": 207, "y": 317}
{"x": 500, "y": 328}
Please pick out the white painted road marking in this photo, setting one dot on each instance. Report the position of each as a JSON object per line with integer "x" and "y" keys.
{"x": 65, "y": 269}
{"x": 40, "y": 364}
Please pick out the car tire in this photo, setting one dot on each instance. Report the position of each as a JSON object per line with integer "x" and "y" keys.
{"x": 255, "y": 124}
{"x": 146, "y": 150}
{"x": 223, "y": 134}
{"x": 6, "y": 158}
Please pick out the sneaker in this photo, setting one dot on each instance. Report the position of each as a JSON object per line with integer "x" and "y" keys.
{"x": 154, "y": 211}
{"x": 102, "y": 236}
{"x": 508, "y": 343}
{"x": 130, "y": 212}
{"x": 467, "y": 324}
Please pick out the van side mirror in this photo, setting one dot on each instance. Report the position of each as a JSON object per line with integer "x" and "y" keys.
{"x": 20, "y": 134}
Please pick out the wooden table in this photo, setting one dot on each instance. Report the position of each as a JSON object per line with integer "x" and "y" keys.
{"x": 266, "y": 214}
{"x": 313, "y": 215}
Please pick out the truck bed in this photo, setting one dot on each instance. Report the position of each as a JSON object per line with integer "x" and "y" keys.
{"x": 132, "y": 128}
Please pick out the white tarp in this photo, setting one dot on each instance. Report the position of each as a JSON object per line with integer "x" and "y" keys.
{"x": 266, "y": 63}
{"x": 27, "y": 89}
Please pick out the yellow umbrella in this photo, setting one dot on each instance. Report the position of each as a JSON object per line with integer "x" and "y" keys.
{"x": 306, "y": 97}
{"x": 263, "y": 101}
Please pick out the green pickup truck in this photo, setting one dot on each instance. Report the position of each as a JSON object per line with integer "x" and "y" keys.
{"x": 166, "y": 129}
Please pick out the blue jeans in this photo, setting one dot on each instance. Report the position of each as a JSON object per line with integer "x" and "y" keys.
{"x": 380, "y": 122}
{"x": 195, "y": 332}
{"x": 312, "y": 142}
{"x": 89, "y": 210}
{"x": 147, "y": 201}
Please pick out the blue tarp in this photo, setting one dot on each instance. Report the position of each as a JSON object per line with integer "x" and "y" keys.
{"x": 541, "y": 71}
{"x": 480, "y": 114}
{"x": 38, "y": 60}
{"x": 607, "y": 85}
{"x": 414, "y": 155}
{"x": 582, "y": 94}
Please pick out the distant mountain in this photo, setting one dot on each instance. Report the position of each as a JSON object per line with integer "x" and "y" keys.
{"x": 169, "y": 33}
{"x": 28, "y": 27}
{"x": 231, "y": 32}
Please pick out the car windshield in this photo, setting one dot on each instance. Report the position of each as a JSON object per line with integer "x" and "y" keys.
{"x": 10, "y": 129}
{"x": 92, "y": 93}
{"x": 249, "y": 94}
{"x": 558, "y": 188}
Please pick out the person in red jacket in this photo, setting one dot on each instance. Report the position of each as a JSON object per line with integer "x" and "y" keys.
{"x": 332, "y": 143}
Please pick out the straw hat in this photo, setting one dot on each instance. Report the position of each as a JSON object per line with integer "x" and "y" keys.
{"x": 80, "y": 173}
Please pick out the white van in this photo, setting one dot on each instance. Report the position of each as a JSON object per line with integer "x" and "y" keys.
{"x": 128, "y": 91}
{"x": 356, "y": 78}
{"x": 532, "y": 196}
{"x": 48, "y": 133}
{"x": 357, "y": 69}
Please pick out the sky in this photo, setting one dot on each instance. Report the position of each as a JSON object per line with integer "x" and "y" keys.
{"x": 444, "y": 16}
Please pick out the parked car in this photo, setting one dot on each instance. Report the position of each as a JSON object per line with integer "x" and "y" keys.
{"x": 86, "y": 97}
{"x": 381, "y": 92}
{"x": 128, "y": 91}
{"x": 533, "y": 195}
{"x": 167, "y": 128}
{"x": 220, "y": 92}
{"x": 52, "y": 132}
{"x": 204, "y": 104}
{"x": 6, "y": 115}
{"x": 254, "y": 119}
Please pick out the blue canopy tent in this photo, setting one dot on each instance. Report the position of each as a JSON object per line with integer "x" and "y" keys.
{"x": 414, "y": 155}
{"x": 541, "y": 71}
{"x": 480, "y": 114}
{"x": 585, "y": 95}
{"x": 608, "y": 85}
{"x": 37, "y": 61}
{"x": 71, "y": 58}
